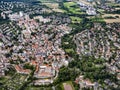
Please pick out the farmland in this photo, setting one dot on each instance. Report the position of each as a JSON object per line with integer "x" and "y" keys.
{"x": 72, "y": 7}
{"x": 76, "y": 19}
{"x": 54, "y": 6}
{"x": 110, "y": 18}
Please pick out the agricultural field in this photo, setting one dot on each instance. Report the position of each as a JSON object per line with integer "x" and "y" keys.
{"x": 97, "y": 19}
{"x": 110, "y": 18}
{"x": 58, "y": 10}
{"x": 51, "y": 5}
{"x": 76, "y": 19}
{"x": 72, "y": 7}
{"x": 54, "y": 7}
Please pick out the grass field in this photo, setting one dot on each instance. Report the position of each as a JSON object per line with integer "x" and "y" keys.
{"x": 72, "y": 7}
{"x": 97, "y": 19}
{"x": 76, "y": 19}
{"x": 69, "y": 50}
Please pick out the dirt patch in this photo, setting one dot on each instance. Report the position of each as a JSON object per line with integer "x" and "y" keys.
{"x": 112, "y": 20}
{"x": 67, "y": 86}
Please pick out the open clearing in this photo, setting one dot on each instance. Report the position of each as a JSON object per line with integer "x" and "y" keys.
{"x": 68, "y": 86}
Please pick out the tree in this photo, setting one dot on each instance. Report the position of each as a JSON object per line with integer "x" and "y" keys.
{"x": 28, "y": 66}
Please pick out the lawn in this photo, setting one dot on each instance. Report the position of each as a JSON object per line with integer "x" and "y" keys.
{"x": 69, "y": 50}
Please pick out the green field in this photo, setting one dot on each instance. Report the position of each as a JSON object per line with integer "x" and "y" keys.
{"x": 72, "y": 7}
{"x": 76, "y": 19}
{"x": 69, "y": 50}
{"x": 98, "y": 20}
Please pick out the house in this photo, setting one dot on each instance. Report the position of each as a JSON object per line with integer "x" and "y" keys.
{"x": 91, "y": 11}
{"x": 86, "y": 83}
{"x": 26, "y": 33}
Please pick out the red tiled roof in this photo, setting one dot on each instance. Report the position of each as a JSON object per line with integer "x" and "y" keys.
{"x": 19, "y": 69}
